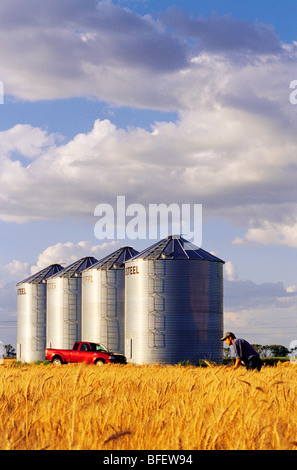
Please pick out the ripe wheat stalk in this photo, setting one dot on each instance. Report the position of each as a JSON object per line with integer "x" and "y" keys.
{"x": 147, "y": 408}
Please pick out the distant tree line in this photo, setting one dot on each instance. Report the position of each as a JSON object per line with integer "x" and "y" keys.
{"x": 271, "y": 350}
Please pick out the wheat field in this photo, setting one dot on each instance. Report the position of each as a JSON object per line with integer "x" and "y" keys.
{"x": 147, "y": 408}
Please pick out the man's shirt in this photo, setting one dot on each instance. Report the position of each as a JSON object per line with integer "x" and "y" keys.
{"x": 243, "y": 350}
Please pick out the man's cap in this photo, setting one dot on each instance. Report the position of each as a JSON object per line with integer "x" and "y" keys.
{"x": 226, "y": 335}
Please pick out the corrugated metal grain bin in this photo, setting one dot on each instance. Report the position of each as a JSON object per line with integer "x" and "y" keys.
{"x": 103, "y": 300}
{"x": 64, "y": 305}
{"x": 173, "y": 304}
{"x": 31, "y": 315}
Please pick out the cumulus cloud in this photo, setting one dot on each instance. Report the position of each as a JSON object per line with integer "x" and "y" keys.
{"x": 70, "y": 48}
{"x": 292, "y": 289}
{"x": 229, "y": 160}
{"x": 69, "y": 252}
{"x": 230, "y": 271}
{"x": 16, "y": 268}
{"x": 232, "y": 149}
{"x": 61, "y": 253}
{"x": 25, "y": 140}
{"x": 11, "y": 272}
{"x": 81, "y": 47}
{"x": 271, "y": 233}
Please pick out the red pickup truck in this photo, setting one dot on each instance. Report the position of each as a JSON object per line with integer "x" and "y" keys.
{"x": 82, "y": 351}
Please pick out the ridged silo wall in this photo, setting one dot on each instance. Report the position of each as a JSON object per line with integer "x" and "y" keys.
{"x": 103, "y": 307}
{"x": 31, "y": 322}
{"x": 63, "y": 312}
{"x": 173, "y": 311}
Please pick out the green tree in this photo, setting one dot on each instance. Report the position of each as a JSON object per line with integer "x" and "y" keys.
{"x": 261, "y": 350}
{"x": 277, "y": 350}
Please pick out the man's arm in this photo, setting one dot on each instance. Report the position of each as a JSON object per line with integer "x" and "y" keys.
{"x": 237, "y": 363}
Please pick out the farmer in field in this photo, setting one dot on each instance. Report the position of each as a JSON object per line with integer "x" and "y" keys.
{"x": 245, "y": 353}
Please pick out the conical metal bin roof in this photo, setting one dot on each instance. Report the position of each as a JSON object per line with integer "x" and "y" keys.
{"x": 75, "y": 269}
{"x": 116, "y": 259}
{"x": 176, "y": 247}
{"x": 42, "y": 275}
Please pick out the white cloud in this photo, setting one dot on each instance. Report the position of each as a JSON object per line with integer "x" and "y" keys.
{"x": 16, "y": 268}
{"x": 26, "y": 140}
{"x": 89, "y": 48}
{"x": 69, "y": 252}
{"x": 271, "y": 233}
{"x": 81, "y": 48}
{"x": 12, "y": 272}
{"x": 60, "y": 253}
{"x": 292, "y": 289}
{"x": 230, "y": 271}
{"x": 231, "y": 161}
{"x": 233, "y": 148}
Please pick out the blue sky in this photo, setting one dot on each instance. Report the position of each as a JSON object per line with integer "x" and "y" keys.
{"x": 163, "y": 102}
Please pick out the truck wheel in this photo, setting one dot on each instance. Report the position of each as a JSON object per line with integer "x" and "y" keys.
{"x": 57, "y": 361}
{"x": 99, "y": 362}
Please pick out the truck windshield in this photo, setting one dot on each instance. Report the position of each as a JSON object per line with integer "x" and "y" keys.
{"x": 97, "y": 347}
